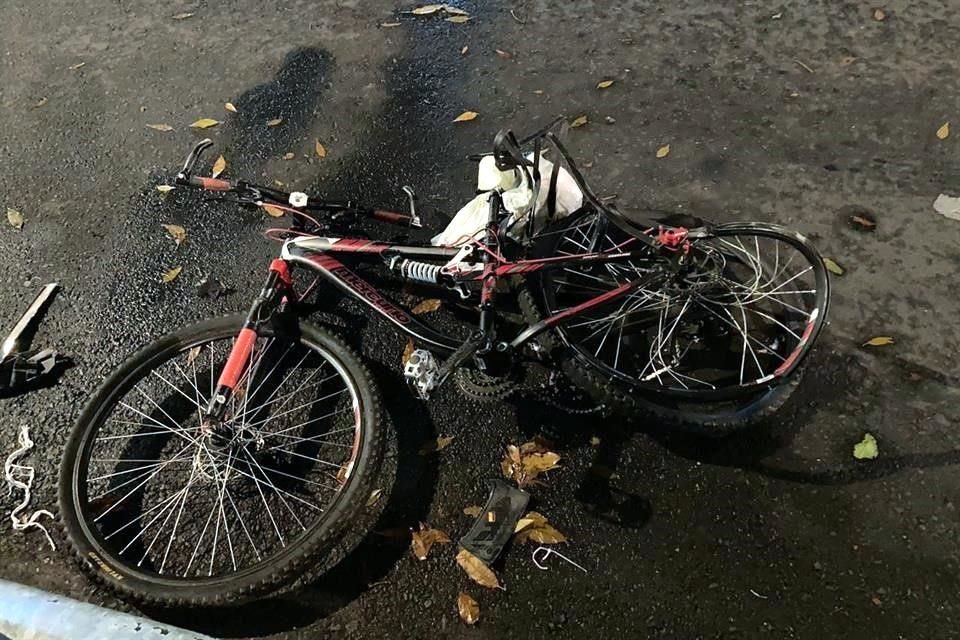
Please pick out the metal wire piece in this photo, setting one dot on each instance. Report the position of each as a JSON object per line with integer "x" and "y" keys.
{"x": 540, "y": 554}
{"x": 20, "y": 476}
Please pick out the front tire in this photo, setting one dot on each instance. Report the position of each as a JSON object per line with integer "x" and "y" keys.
{"x": 261, "y": 548}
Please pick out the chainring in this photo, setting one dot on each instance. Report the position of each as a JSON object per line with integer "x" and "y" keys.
{"x": 484, "y": 388}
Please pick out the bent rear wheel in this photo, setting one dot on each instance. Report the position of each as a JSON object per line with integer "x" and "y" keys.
{"x": 718, "y": 345}
{"x": 163, "y": 513}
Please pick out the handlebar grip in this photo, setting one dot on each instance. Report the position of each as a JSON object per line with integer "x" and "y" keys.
{"x": 210, "y": 184}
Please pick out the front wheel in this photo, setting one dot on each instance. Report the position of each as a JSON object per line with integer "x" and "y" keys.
{"x": 163, "y": 513}
{"x": 716, "y": 345}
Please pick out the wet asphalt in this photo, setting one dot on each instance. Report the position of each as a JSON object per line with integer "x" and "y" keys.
{"x": 793, "y": 112}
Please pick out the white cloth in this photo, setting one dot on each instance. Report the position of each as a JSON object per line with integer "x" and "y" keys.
{"x": 472, "y": 218}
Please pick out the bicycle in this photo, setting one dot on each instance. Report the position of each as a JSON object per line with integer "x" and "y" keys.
{"x": 219, "y": 463}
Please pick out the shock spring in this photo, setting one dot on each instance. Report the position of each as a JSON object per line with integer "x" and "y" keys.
{"x": 414, "y": 270}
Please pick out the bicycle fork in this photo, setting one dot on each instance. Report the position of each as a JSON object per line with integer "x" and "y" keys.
{"x": 278, "y": 287}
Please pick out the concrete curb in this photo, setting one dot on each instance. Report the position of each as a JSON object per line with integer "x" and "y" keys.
{"x": 32, "y": 614}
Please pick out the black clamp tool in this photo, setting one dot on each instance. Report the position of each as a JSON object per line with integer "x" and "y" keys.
{"x": 18, "y": 368}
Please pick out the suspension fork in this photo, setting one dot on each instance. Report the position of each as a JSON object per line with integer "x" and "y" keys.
{"x": 277, "y": 289}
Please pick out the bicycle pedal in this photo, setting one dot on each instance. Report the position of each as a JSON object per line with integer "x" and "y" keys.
{"x": 421, "y": 372}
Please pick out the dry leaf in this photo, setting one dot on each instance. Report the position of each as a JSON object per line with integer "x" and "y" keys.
{"x": 478, "y": 571}
{"x": 441, "y": 443}
{"x": 288, "y": 155}
{"x": 579, "y": 121}
{"x": 15, "y": 218}
{"x": 534, "y": 446}
{"x": 506, "y": 55}
{"x": 536, "y": 463}
{"x": 342, "y": 475}
{"x": 160, "y": 127}
{"x": 42, "y": 101}
{"x": 193, "y": 354}
{"x": 278, "y": 183}
{"x": 219, "y": 167}
{"x": 178, "y": 233}
{"x": 539, "y": 92}
{"x": 229, "y": 107}
{"x": 530, "y": 519}
{"x": 424, "y": 539}
{"x": 272, "y": 211}
{"x": 879, "y": 15}
{"x": 523, "y": 468}
{"x": 274, "y": 122}
{"x": 427, "y": 9}
{"x": 171, "y": 275}
{"x": 464, "y": 50}
{"x": 454, "y": 11}
{"x": 466, "y": 116}
{"x": 468, "y": 608}
{"x": 605, "y": 84}
{"x": 374, "y": 497}
{"x": 426, "y": 306}
{"x": 944, "y": 131}
{"x": 74, "y": 67}
{"x": 164, "y": 188}
{"x": 833, "y": 267}
{"x": 866, "y": 223}
{"x": 458, "y": 19}
{"x": 594, "y": 441}
{"x": 663, "y": 151}
{"x": 879, "y": 341}
{"x": 321, "y": 151}
{"x": 182, "y": 16}
{"x": 205, "y": 123}
{"x": 544, "y": 534}
{"x": 387, "y": 25}
{"x": 407, "y": 352}
{"x": 472, "y": 511}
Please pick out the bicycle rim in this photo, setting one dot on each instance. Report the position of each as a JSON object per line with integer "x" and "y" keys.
{"x": 741, "y": 318}
{"x": 172, "y": 507}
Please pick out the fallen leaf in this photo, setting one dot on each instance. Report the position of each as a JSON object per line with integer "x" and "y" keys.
{"x": 523, "y": 468}
{"x": 427, "y": 9}
{"x": 219, "y": 167}
{"x": 534, "y": 446}
{"x": 272, "y": 211}
{"x": 171, "y": 275}
{"x": 478, "y": 571}
{"x": 876, "y": 601}
{"x": 229, "y": 107}
{"x": 595, "y": 441}
{"x": 424, "y": 539}
{"x": 454, "y": 11}
{"x": 663, "y": 151}
{"x": 205, "y": 123}
{"x": 464, "y": 50}
{"x": 178, "y": 233}
{"x": 342, "y": 475}
{"x": 865, "y": 223}
{"x": 506, "y": 55}
{"x": 160, "y": 127}
{"x": 866, "y": 449}
{"x": 387, "y": 25}
{"x": 536, "y": 463}
{"x": 833, "y": 267}
{"x": 74, "y": 67}
{"x": 529, "y": 519}
{"x": 539, "y": 92}
{"x": 289, "y": 155}
{"x": 15, "y": 218}
{"x": 441, "y": 443}
{"x": 274, "y": 122}
{"x": 426, "y": 306}
{"x": 193, "y": 354}
{"x": 879, "y": 15}
{"x": 947, "y": 206}
{"x": 182, "y": 16}
{"x": 407, "y": 352}
{"x": 278, "y": 183}
{"x": 777, "y": 16}
{"x": 321, "y": 151}
{"x": 579, "y": 121}
{"x": 543, "y": 534}
{"x": 458, "y": 19}
{"x": 879, "y": 341}
{"x": 944, "y": 131}
{"x": 468, "y": 608}
{"x": 473, "y": 511}
{"x": 466, "y": 116}
{"x": 39, "y": 103}
{"x": 848, "y": 60}
{"x": 605, "y": 84}
{"x": 374, "y": 497}
{"x": 164, "y": 188}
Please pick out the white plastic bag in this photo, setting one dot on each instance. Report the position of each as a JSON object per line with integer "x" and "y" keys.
{"x": 517, "y": 196}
